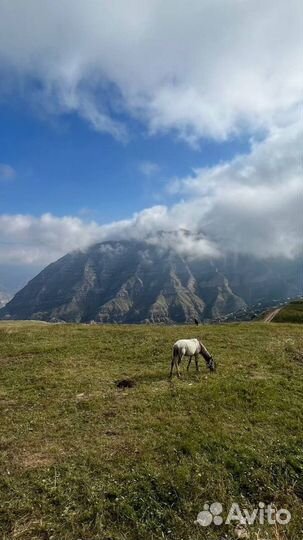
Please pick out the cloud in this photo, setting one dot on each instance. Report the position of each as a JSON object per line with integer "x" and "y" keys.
{"x": 29, "y": 240}
{"x": 199, "y": 68}
{"x": 7, "y": 172}
{"x": 148, "y": 168}
{"x": 251, "y": 205}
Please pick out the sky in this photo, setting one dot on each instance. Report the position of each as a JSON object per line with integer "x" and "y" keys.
{"x": 119, "y": 119}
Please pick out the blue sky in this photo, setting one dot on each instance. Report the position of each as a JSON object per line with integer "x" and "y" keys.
{"x": 65, "y": 167}
{"x": 120, "y": 119}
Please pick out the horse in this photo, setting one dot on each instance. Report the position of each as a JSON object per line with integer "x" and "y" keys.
{"x": 190, "y": 347}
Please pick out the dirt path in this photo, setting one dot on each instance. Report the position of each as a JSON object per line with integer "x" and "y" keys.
{"x": 269, "y": 316}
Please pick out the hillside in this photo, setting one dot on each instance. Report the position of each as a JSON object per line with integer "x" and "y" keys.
{"x": 81, "y": 458}
{"x": 132, "y": 282}
{"x": 292, "y": 313}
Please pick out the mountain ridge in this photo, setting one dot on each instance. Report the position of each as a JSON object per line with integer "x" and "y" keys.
{"x": 132, "y": 281}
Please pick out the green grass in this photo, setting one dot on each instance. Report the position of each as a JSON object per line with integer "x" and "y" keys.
{"x": 292, "y": 313}
{"x": 82, "y": 459}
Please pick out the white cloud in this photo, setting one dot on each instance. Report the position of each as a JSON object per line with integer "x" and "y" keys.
{"x": 29, "y": 240}
{"x": 200, "y": 67}
{"x": 253, "y": 203}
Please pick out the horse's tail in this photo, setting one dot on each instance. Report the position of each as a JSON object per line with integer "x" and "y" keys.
{"x": 175, "y": 352}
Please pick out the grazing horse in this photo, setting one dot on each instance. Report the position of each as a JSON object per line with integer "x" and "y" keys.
{"x": 190, "y": 347}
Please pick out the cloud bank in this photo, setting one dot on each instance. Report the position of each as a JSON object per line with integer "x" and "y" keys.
{"x": 209, "y": 68}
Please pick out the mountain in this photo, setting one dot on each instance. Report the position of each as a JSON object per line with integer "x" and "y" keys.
{"x": 132, "y": 281}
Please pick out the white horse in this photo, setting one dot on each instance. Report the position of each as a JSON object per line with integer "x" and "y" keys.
{"x": 190, "y": 347}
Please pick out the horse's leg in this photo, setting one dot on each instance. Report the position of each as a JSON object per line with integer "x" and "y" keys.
{"x": 172, "y": 367}
{"x": 189, "y": 361}
{"x": 177, "y": 365}
{"x": 173, "y": 363}
{"x": 197, "y": 363}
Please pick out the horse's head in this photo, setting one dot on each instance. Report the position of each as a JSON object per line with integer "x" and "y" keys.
{"x": 210, "y": 361}
{"x": 211, "y": 364}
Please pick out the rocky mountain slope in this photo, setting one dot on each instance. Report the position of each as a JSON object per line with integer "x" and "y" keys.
{"x": 131, "y": 281}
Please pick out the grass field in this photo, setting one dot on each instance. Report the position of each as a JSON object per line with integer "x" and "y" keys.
{"x": 83, "y": 459}
{"x": 292, "y": 313}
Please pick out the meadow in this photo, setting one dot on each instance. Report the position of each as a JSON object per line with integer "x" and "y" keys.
{"x": 292, "y": 313}
{"x": 84, "y": 458}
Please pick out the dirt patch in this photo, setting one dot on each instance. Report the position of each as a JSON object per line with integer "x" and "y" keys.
{"x": 36, "y": 460}
{"x": 125, "y": 383}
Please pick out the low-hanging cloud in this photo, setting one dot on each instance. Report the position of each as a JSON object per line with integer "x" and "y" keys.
{"x": 199, "y": 68}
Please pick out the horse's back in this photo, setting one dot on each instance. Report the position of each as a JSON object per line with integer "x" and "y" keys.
{"x": 186, "y": 346}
